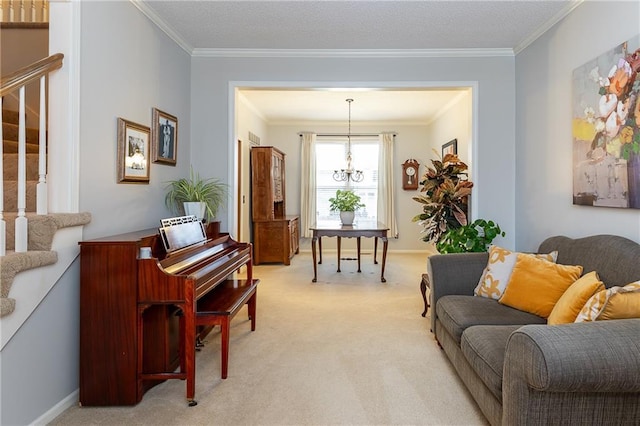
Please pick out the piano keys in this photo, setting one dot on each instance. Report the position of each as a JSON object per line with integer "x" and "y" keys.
{"x": 139, "y": 315}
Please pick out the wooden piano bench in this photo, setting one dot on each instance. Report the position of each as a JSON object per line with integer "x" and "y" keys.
{"x": 221, "y": 304}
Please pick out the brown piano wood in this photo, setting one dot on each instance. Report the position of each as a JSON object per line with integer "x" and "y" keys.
{"x": 221, "y": 305}
{"x": 131, "y": 336}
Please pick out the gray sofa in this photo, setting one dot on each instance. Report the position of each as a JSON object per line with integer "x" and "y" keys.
{"x": 521, "y": 371}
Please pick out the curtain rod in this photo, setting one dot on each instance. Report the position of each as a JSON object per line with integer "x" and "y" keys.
{"x": 345, "y": 134}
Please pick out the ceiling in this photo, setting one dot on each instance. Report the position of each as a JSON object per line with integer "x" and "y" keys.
{"x": 270, "y": 27}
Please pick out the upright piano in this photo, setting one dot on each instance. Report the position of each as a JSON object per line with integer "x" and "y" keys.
{"x": 140, "y": 296}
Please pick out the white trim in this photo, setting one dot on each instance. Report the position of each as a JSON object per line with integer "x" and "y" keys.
{"x": 349, "y": 53}
{"x": 56, "y": 410}
{"x": 173, "y": 35}
{"x": 63, "y": 171}
{"x": 547, "y": 25}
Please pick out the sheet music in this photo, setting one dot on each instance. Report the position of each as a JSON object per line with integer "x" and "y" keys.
{"x": 180, "y": 232}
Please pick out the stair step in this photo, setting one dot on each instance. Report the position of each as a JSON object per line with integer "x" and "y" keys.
{"x": 41, "y": 228}
{"x": 11, "y": 147}
{"x": 10, "y": 132}
{"x": 11, "y": 196}
{"x": 10, "y": 166}
{"x": 10, "y": 116}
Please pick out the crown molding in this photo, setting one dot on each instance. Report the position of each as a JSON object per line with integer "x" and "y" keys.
{"x": 547, "y": 25}
{"x": 349, "y": 53}
{"x": 149, "y": 13}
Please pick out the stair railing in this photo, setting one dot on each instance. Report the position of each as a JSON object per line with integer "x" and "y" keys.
{"x": 17, "y": 81}
{"x": 28, "y": 11}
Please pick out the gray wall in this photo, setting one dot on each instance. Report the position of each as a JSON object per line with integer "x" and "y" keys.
{"x": 128, "y": 66}
{"x": 544, "y": 71}
{"x": 494, "y": 163}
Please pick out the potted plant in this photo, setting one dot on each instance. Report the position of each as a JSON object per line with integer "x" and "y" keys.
{"x": 346, "y": 202}
{"x": 207, "y": 194}
{"x": 473, "y": 237}
{"x": 445, "y": 197}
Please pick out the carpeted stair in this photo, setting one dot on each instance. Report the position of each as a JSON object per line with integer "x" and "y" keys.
{"x": 41, "y": 228}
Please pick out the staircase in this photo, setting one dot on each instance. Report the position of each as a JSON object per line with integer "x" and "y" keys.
{"x": 27, "y": 275}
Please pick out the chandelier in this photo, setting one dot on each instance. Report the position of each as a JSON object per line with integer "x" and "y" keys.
{"x": 344, "y": 175}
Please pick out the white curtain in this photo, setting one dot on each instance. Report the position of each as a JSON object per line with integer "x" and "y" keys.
{"x": 386, "y": 201}
{"x": 307, "y": 184}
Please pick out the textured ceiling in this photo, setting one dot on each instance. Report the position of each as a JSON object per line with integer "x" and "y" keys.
{"x": 356, "y": 24}
{"x": 335, "y": 26}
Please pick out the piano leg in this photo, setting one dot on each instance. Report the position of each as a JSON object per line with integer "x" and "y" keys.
{"x": 226, "y": 325}
{"x": 251, "y": 305}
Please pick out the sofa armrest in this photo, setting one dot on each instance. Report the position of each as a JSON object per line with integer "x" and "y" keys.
{"x": 592, "y": 367}
{"x": 455, "y": 273}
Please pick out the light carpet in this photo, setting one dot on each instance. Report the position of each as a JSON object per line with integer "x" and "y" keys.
{"x": 345, "y": 350}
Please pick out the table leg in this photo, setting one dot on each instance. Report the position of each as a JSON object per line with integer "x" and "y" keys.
{"x": 320, "y": 248}
{"x": 339, "y": 243}
{"x": 313, "y": 253}
{"x": 358, "y": 245}
{"x": 384, "y": 258}
{"x": 375, "y": 250}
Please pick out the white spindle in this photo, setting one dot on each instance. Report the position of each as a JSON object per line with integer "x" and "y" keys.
{"x": 41, "y": 200}
{"x": 11, "y": 12}
{"x": 45, "y": 11}
{"x": 21, "y": 220}
{"x": 33, "y": 10}
{"x": 3, "y": 226}
{"x": 1, "y": 11}
{"x": 21, "y": 10}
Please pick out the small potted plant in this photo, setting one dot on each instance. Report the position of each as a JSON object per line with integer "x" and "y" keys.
{"x": 346, "y": 202}
{"x": 473, "y": 237}
{"x": 195, "y": 195}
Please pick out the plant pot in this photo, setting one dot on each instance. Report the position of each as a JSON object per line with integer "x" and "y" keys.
{"x": 196, "y": 208}
{"x": 347, "y": 218}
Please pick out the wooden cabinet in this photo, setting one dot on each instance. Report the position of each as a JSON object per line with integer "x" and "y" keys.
{"x": 276, "y": 236}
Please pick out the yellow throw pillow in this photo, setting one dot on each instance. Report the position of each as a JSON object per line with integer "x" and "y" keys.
{"x": 571, "y": 302}
{"x": 536, "y": 284}
{"x": 496, "y": 274}
{"x": 613, "y": 303}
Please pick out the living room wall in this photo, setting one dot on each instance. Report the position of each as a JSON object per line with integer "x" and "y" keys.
{"x": 214, "y": 80}
{"x": 544, "y": 184}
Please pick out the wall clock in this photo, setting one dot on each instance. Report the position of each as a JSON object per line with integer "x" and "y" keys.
{"x": 410, "y": 175}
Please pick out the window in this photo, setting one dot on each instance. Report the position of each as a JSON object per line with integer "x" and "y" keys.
{"x": 331, "y": 154}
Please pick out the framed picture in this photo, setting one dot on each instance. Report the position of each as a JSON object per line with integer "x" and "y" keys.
{"x": 164, "y": 137}
{"x": 606, "y": 129}
{"x": 133, "y": 152}
{"x": 450, "y": 147}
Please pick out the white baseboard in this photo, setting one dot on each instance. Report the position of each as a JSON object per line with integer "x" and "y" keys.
{"x": 57, "y": 409}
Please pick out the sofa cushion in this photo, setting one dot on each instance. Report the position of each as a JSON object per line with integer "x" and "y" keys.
{"x": 496, "y": 274}
{"x": 457, "y": 313}
{"x": 614, "y": 303}
{"x": 536, "y": 284}
{"x": 571, "y": 302}
{"x": 483, "y": 346}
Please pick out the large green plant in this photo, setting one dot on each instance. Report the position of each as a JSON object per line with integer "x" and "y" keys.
{"x": 472, "y": 237}
{"x": 210, "y": 191}
{"x": 345, "y": 201}
{"x": 445, "y": 193}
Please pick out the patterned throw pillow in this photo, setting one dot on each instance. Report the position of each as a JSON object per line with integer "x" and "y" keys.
{"x": 536, "y": 285}
{"x": 496, "y": 274}
{"x": 613, "y": 303}
{"x": 571, "y": 302}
